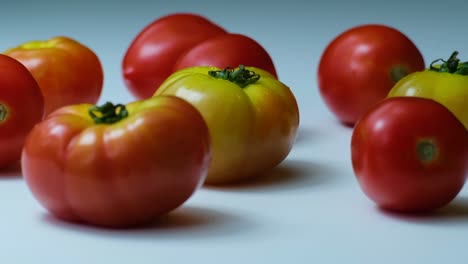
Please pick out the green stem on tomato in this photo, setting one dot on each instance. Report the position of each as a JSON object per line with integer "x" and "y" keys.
{"x": 452, "y": 65}
{"x": 3, "y": 112}
{"x": 427, "y": 151}
{"x": 108, "y": 113}
{"x": 241, "y": 76}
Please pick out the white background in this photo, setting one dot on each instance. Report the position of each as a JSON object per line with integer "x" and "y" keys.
{"x": 308, "y": 210}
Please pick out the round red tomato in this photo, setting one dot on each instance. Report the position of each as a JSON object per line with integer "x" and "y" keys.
{"x": 181, "y": 40}
{"x": 21, "y": 107}
{"x": 228, "y": 50}
{"x": 151, "y": 56}
{"x": 361, "y": 65}
{"x": 410, "y": 154}
{"x": 117, "y": 166}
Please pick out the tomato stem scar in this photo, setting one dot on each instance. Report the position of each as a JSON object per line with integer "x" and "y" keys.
{"x": 427, "y": 150}
{"x": 398, "y": 72}
{"x": 108, "y": 113}
{"x": 3, "y": 112}
{"x": 452, "y": 65}
{"x": 241, "y": 76}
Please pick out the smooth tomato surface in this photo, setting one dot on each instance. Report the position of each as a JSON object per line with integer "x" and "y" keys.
{"x": 183, "y": 40}
{"x": 252, "y": 128}
{"x": 151, "y": 56}
{"x": 447, "y": 85}
{"x": 21, "y": 107}
{"x": 119, "y": 174}
{"x": 360, "y": 66}
{"x": 68, "y": 72}
{"x": 410, "y": 154}
{"x": 227, "y": 50}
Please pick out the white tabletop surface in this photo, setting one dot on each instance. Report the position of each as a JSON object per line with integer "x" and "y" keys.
{"x": 310, "y": 209}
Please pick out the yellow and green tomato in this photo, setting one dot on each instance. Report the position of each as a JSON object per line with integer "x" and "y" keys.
{"x": 252, "y": 117}
{"x": 446, "y": 83}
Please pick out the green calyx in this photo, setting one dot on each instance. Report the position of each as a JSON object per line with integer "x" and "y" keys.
{"x": 241, "y": 76}
{"x": 452, "y": 65}
{"x": 108, "y": 113}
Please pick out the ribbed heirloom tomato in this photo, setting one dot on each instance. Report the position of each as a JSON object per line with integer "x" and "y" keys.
{"x": 360, "y": 66}
{"x": 410, "y": 154}
{"x": 252, "y": 117}
{"x": 117, "y": 166}
{"x": 67, "y": 71}
{"x": 21, "y": 107}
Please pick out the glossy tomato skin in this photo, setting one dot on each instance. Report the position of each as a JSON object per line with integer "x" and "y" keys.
{"x": 410, "y": 154}
{"x": 449, "y": 89}
{"x": 122, "y": 174}
{"x": 21, "y": 107}
{"x": 68, "y": 72}
{"x": 228, "y": 50}
{"x": 252, "y": 128}
{"x": 151, "y": 56}
{"x": 360, "y": 66}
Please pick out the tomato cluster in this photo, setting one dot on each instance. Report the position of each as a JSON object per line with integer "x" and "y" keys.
{"x": 210, "y": 109}
{"x": 183, "y": 40}
{"x": 201, "y": 117}
{"x": 409, "y": 147}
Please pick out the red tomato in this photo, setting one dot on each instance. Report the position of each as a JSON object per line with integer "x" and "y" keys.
{"x": 117, "y": 166}
{"x": 410, "y": 154}
{"x": 21, "y": 107}
{"x": 67, "y": 71}
{"x": 361, "y": 65}
{"x": 180, "y": 41}
{"x": 151, "y": 56}
{"x": 228, "y": 50}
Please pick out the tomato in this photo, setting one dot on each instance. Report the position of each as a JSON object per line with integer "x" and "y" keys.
{"x": 226, "y": 50}
{"x": 68, "y": 72}
{"x": 360, "y": 66}
{"x": 182, "y": 40}
{"x": 410, "y": 154}
{"x": 151, "y": 56}
{"x": 252, "y": 117}
{"x": 116, "y": 165}
{"x": 21, "y": 107}
{"x": 446, "y": 83}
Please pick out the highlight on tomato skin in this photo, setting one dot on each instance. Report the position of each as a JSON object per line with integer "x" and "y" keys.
{"x": 226, "y": 50}
{"x": 152, "y": 54}
{"x": 444, "y": 81}
{"x": 67, "y": 71}
{"x": 410, "y": 154}
{"x": 253, "y": 118}
{"x": 360, "y": 66}
{"x": 181, "y": 40}
{"x": 117, "y": 165}
{"x": 21, "y": 107}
